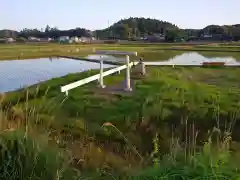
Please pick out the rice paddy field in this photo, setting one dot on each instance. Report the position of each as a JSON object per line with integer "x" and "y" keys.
{"x": 177, "y": 123}
{"x": 147, "y": 50}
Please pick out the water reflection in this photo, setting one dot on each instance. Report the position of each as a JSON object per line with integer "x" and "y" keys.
{"x": 194, "y": 58}
{"x": 15, "y": 74}
{"x": 106, "y": 57}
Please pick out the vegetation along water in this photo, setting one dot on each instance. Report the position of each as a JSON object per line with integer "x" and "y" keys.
{"x": 177, "y": 123}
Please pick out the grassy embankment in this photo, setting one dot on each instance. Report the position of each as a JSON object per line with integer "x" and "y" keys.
{"x": 182, "y": 119}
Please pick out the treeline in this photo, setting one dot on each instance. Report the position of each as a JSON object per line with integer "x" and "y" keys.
{"x": 48, "y": 32}
{"x": 132, "y": 28}
{"x": 232, "y": 31}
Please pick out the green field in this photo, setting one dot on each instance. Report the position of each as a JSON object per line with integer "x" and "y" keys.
{"x": 148, "y": 51}
{"x": 177, "y": 123}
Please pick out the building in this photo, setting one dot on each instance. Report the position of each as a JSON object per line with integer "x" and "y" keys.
{"x": 86, "y": 39}
{"x": 7, "y": 40}
{"x": 155, "y": 38}
{"x": 33, "y": 39}
{"x": 6, "y": 33}
{"x": 64, "y": 39}
{"x": 75, "y": 39}
{"x": 10, "y": 40}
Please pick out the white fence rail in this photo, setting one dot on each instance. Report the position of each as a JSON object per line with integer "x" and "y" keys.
{"x": 116, "y": 53}
{"x": 100, "y": 76}
{"x": 158, "y": 63}
{"x": 168, "y": 63}
{"x": 73, "y": 85}
{"x": 127, "y": 66}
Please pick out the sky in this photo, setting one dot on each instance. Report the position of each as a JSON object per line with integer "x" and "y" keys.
{"x": 94, "y": 14}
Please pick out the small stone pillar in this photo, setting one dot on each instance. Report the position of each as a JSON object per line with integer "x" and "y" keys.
{"x": 142, "y": 67}
{"x": 101, "y": 84}
{"x": 139, "y": 69}
{"x": 127, "y": 80}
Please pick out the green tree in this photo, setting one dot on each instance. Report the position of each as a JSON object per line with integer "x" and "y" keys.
{"x": 126, "y": 31}
{"x": 236, "y": 33}
{"x": 171, "y": 35}
{"x": 47, "y": 29}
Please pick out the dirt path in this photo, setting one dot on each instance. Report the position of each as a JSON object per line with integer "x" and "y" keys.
{"x": 115, "y": 89}
{"x": 119, "y": 87}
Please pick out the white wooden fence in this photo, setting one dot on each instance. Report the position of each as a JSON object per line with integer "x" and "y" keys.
{"x": 127, "y": 66}
{"x": 102, "y": 74}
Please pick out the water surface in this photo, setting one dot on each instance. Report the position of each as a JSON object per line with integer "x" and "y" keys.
{"x": 194, "y": 58}
{"x": 15, "y": 74}
{"x": 106, "y": 57}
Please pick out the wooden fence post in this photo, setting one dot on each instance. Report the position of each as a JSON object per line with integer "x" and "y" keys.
{"x": 101, "y": 84}
{"x": 128, "y": 79}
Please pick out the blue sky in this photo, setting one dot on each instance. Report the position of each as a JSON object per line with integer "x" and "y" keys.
{"x": 95, "y": 14}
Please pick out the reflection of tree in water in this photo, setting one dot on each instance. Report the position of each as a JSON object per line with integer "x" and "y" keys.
{"x": 159, "y": 55}
{"x": 220, "y": 54}
{"x": 168, "y": 55}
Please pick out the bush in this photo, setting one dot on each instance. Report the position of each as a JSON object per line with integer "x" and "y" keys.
{"x": 21, "y": 40}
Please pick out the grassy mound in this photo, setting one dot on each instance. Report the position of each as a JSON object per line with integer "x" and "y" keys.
{"x": 115, "y": 133}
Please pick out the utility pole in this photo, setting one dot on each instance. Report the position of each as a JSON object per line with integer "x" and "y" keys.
{"x": 109, "y": 35}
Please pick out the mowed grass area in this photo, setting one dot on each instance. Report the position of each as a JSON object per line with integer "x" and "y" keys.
{"x": 147, "y": 50}
{"x": 177, "y": 123}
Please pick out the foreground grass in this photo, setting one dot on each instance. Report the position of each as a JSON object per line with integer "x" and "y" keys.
{"x": 166, "y": 120}
{"x": 23, "y": 157}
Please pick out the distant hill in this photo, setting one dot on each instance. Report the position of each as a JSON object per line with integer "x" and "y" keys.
{"x": 5, "y": 33}
{"x": 134, "y": 27}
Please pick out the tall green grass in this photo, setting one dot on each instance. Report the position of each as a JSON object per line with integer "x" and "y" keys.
{"x": 152, "y": 133}
{"x": 23, "y": 157}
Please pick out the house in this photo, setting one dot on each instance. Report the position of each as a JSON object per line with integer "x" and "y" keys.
{"x": 155, "y": 38}
{"x": 86, "y": 39}
{"x": 207, "y": 36}
{"x": 9, "y": 40}
{"x": 215, "y": 37}
{"x": 83, "y": 39}
{"x": 75, "y": 39}
{"x": 33, "y": 39}
{"x": 64, "y": 39}
{"x": 50, "y": 39}
{"x": 6, "y": 33}
{"x": 159, "y": 36}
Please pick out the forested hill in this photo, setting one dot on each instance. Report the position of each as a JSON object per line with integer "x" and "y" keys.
{"x": 134, "y": 27}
